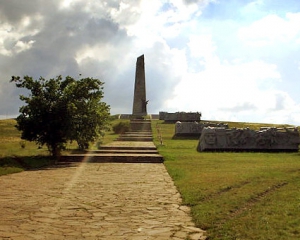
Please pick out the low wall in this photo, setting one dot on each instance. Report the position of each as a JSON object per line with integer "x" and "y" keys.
{"x": 180, "y": 116}
{"x": 194, "y": 129}
{"x": 268, "y": 139}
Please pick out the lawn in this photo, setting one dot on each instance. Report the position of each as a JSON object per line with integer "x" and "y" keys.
{"x": 17, "y": 155}
{"x": 235, "y": 195}
{"x": 232, "y": 195}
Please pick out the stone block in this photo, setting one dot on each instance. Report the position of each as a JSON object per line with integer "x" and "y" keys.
{"x": 194, "y": 129}
{"x": 267, "y": 139}
{"x": 180, "y": 116}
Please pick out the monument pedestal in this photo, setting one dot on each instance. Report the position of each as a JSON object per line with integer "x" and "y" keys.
{"x": 138, "y": 125}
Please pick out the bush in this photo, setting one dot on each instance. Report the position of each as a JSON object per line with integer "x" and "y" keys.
{"x": 121, "y": 127}
{"x": 114, "y": 117}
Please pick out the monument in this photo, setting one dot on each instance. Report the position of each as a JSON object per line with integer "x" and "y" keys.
{"x": 139, "y": 100}
{"x": 245, "y": 139}
{"x": 194, "y": 129}
{"x": 180, "y": 116}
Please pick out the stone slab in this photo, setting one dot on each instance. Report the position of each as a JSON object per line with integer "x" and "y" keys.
{"x": 194, "y": 129}
{"x": 126, "y": 150}
{"x": 94, "y": 201}
{"x": 130, "y": 144}
{"x": 140, "y": 138}
{"x": 180, "y": 116}
{"x": 113, "y": 157}
{"x": 245, "y": 139}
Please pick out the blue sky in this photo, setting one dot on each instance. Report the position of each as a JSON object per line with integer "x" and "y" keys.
{"x": 231, "y": 60}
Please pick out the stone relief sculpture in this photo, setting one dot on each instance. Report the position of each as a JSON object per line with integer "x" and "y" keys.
{"x": 180, "y": 116}
{"x": 267, "y": 139}
{"x": 144, "y": 105}
{"x": 194, "y": 128}
{"x": 210, "y": 137}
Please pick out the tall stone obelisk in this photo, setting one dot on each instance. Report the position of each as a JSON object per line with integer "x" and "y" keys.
{"x": 139, "y": 100}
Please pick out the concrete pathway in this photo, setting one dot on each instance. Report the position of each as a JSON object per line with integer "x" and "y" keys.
{"x": 94, "y": 201}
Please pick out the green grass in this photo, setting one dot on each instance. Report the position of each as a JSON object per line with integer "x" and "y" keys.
{"x": 231, "y": 195}
{"x": 11, "y": 142}
{"x": 110, "y": 135}
{"x": 235, "y": 195}
{"x": 17, "y": 155}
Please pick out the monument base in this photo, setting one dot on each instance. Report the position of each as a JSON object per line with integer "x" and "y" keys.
{"x": 140, "y": 125}
{"x": 138, "y": 116}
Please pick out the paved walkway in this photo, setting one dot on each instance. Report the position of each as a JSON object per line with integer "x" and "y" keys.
{"x": 94, "y": 201}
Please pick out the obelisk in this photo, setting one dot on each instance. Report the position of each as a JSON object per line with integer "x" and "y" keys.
{"x": 139, "y": 99}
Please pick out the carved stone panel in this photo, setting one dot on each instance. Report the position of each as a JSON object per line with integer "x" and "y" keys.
{"x": 267, "y": 139}
{"x": 194, "y": 128}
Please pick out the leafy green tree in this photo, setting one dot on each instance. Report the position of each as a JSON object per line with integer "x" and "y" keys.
{"x": 61, "y": 110}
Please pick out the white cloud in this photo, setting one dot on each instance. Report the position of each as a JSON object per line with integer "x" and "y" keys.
{"x": 12, "y": 37}
{"x": 202, "y": 46}
{"x": 230, "y": 69}
{"x": 272, "y": 29}
{"x": 228, "y": 89}
{"x": 66, "y": 4}
{"x": 97, "y": 52}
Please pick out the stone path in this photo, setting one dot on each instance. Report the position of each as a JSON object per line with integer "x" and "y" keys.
{"x": 94, "y": 201}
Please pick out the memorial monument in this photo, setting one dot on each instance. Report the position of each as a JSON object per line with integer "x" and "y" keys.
{"x": 194, "y": 129}
{"x": 180, "y": 116}
{"x": 245, "y": 139}
{"x": 139, "y": 100}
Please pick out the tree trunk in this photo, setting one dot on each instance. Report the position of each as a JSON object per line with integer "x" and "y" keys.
{"x": 55, "y": 152}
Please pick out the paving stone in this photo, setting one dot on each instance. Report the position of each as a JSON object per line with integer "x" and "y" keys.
{"x": 94, "y": 201}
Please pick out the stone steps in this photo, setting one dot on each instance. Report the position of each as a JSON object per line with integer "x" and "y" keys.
{"x": 147, "y": 139}
{"x": 126, "y": 148}
{"x": 135, "y": 146}
{"x": 113, "y": 157}
{"x": 136, "y": 135}
{"x": 140, "y": 125}
{"x": 137, "y": 151}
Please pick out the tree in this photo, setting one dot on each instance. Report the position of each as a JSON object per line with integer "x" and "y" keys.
{"x": 61, "y": 110}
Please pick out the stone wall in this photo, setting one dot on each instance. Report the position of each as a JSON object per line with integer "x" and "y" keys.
{"x": 194, "y": 128}
{"x": 267, "y": 139}
{"x": 180, "y": 116}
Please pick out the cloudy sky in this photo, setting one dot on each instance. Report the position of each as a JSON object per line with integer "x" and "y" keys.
{"x": 232, "y": 60}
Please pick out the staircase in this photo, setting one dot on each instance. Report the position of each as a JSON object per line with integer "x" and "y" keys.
{"x": 135, "y": 146}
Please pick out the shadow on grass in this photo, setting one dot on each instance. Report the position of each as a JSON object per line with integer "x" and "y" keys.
{"x": 16, "y": 164}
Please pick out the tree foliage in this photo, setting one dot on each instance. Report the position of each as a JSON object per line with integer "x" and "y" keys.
{"x": 60, "y": 110}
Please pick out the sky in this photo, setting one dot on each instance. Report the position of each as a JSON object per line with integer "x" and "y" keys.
{"x": 231, "y": 60}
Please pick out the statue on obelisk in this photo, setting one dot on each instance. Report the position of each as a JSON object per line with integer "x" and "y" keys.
{"x": 139, "y": 100}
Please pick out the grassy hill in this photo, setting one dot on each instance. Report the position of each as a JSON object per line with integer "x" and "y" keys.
{"x": 235, "y": 195}
{"x": 231, "y": 195}
{"x": 17, "y": 155}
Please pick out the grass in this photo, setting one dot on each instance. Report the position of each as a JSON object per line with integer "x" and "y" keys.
{"x": 232, "y": 195}
{"x": 235, "y": 195}
{"x": 11, "y": 143}
{"x": 110, "y": 135}
{"x": 17, "y": 155}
